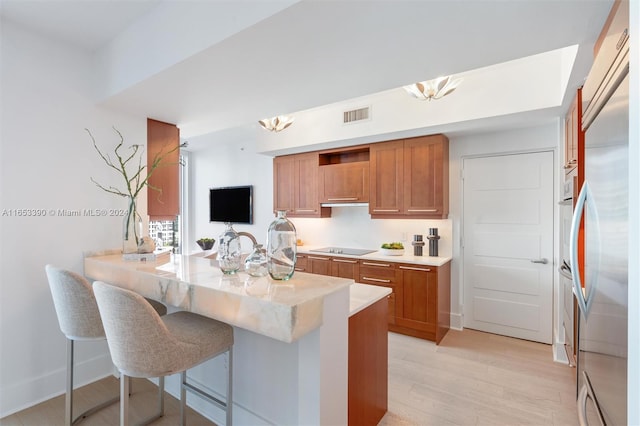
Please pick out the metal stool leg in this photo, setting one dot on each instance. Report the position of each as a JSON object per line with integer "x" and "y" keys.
{"x": 124, "y": 400}
{"x": 229, "y": 386}
{"x": 68, "y": 397}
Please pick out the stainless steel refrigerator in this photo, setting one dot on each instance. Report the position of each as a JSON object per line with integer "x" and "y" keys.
{"x": 603, "y": 205}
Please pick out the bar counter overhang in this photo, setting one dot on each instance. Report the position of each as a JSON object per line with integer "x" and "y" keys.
{"x": 291, "y": 337}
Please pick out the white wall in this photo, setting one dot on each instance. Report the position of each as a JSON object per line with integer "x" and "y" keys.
{"x": 47, "y": 161}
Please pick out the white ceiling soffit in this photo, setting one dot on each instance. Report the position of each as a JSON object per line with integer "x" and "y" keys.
{"x": 501, "y": 92}
{"x": 316, "y": 53}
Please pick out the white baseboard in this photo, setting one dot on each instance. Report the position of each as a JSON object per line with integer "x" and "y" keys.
{"x": 25, "y": 394}
{"x": 241, "y": 414}
{"x": 559, "y": 353}
{"x": 456, "y": 321}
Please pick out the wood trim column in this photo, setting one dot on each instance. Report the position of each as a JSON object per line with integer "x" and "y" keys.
{"x": 163, "y": 137}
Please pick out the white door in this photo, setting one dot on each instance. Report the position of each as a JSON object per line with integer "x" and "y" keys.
{"x": 508, "y": 245}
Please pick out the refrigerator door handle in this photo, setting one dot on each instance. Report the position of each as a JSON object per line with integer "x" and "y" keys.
{"x": 586, "y": 392}
{"x": 573, "y": 247}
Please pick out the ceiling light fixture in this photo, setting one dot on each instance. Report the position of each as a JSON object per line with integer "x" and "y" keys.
{"x": 433, "y": 89}
{"x": 277, "y": 123}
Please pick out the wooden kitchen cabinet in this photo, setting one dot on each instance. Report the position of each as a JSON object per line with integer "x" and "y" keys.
{"x": 410, "y": 178}
{"x": 161, "y": 138}
{"x": 295, "y": 185}
{"x": 419, "y": 304}
{"x": 368, "y": 365}
{"x": 383, "y": 274}
{"x": 320, "y": 265}
{"x": 426, "y": 176}
{"x": 343, "y": 175}
{"x": 386, "y": 163}
{"x": 344, "y": 267}
{"x": 425, "y": 301}
{"x": 344, "y": 183}
{"x": 573, "y": 133}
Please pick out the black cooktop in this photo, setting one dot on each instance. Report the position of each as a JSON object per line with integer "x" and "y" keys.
{"x": 342, "y": 250}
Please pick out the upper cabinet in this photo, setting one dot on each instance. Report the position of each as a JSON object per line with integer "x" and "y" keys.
{"x": 572, "y": 133}
{"x": 295, "y": 185}
{"x": 386, "y": 168}
{"x": 410, "y": 178}
{"x": 406, "y": 178}
{"x": 162, "y": 138}
{"x": 344, "y": 176}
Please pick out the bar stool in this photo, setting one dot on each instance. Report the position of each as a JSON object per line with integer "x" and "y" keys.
{"x": 79, "y": 319}
{"x": 143, "y": 344}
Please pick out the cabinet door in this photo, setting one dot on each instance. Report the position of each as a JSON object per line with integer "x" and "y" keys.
{"x": 344, "y": 183}
{"x": 386, "y": 175}
{"x": 419, "y": 298}
{"x": 305, "y": 187}
{"x": 162, "y": 138}
{"x": 426, "y": 176}
{"x": 283, "y": 181}
{"x": 344, "y": 267}
{"x": 295, "y": 186}
{"x": 320, "y": 265}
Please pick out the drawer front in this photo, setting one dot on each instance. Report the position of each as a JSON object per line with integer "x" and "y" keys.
{"x": 378, "y": 273}
{"x": 301, "y": 263}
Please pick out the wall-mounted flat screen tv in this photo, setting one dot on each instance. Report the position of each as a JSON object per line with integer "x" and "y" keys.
{"x": 232, "y": 204}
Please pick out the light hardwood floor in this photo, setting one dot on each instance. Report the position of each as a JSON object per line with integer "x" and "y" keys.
{"x": 475, "y": 378}
{"x": 471, "y": 378}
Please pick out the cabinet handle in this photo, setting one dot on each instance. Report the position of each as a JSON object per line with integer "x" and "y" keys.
{"x": 384, "y": 265}
{"x": 343, "y": 199}
{"x": 305, "y": 210}
{"x": 415, "y": 269}
{"x": 299, "y": 269}
{"x": 345, "y": 261}
{"x": 386, "y": 210}
{"x": 423, "y": 210}
{"x": 300, "y": 256}
{"x": 317, "y": 258}
{"x": 378, "y": 280}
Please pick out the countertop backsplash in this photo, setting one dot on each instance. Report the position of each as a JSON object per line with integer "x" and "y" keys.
{"x": 353, "y": 227}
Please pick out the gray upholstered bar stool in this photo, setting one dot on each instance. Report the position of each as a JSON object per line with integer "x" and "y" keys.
{"x": 79, "y": 319}
{"x": 143, "y": 344}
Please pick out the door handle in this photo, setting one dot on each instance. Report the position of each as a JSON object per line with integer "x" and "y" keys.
{"x": 544, "y": 261}
{"x": 573, "y": 248}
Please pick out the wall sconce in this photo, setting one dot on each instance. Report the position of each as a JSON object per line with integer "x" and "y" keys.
{"x": 277, "y": 123}
{"x": 433, "y": 89}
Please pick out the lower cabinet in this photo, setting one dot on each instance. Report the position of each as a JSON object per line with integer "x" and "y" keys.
{"x": 419, "y": 304}
{"x": 425, "y": 301}
{"x": 420, "y": 301}
{"x": 368, "y": 365}
{"x": 383, "y": 274}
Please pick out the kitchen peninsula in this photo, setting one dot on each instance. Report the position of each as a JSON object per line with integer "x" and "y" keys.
{"x": 291, "y": 337}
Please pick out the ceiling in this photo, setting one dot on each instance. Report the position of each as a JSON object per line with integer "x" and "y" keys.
{"x": 311, "y": 53}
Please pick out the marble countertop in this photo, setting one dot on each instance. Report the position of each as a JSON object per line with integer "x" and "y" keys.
{"x": 362, "y": 296}
{"x": 283, "y": 310}
{"x": 407, "y": 257}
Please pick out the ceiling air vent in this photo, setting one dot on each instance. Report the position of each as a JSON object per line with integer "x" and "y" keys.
{"x": 355, "y": 115}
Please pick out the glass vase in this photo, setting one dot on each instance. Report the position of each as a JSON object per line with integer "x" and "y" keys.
{"x": 256, "y": 263}
{"x": 281, "y": 247}
{"x": 132, "y": 228}
{"x": 229, "y": 252}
